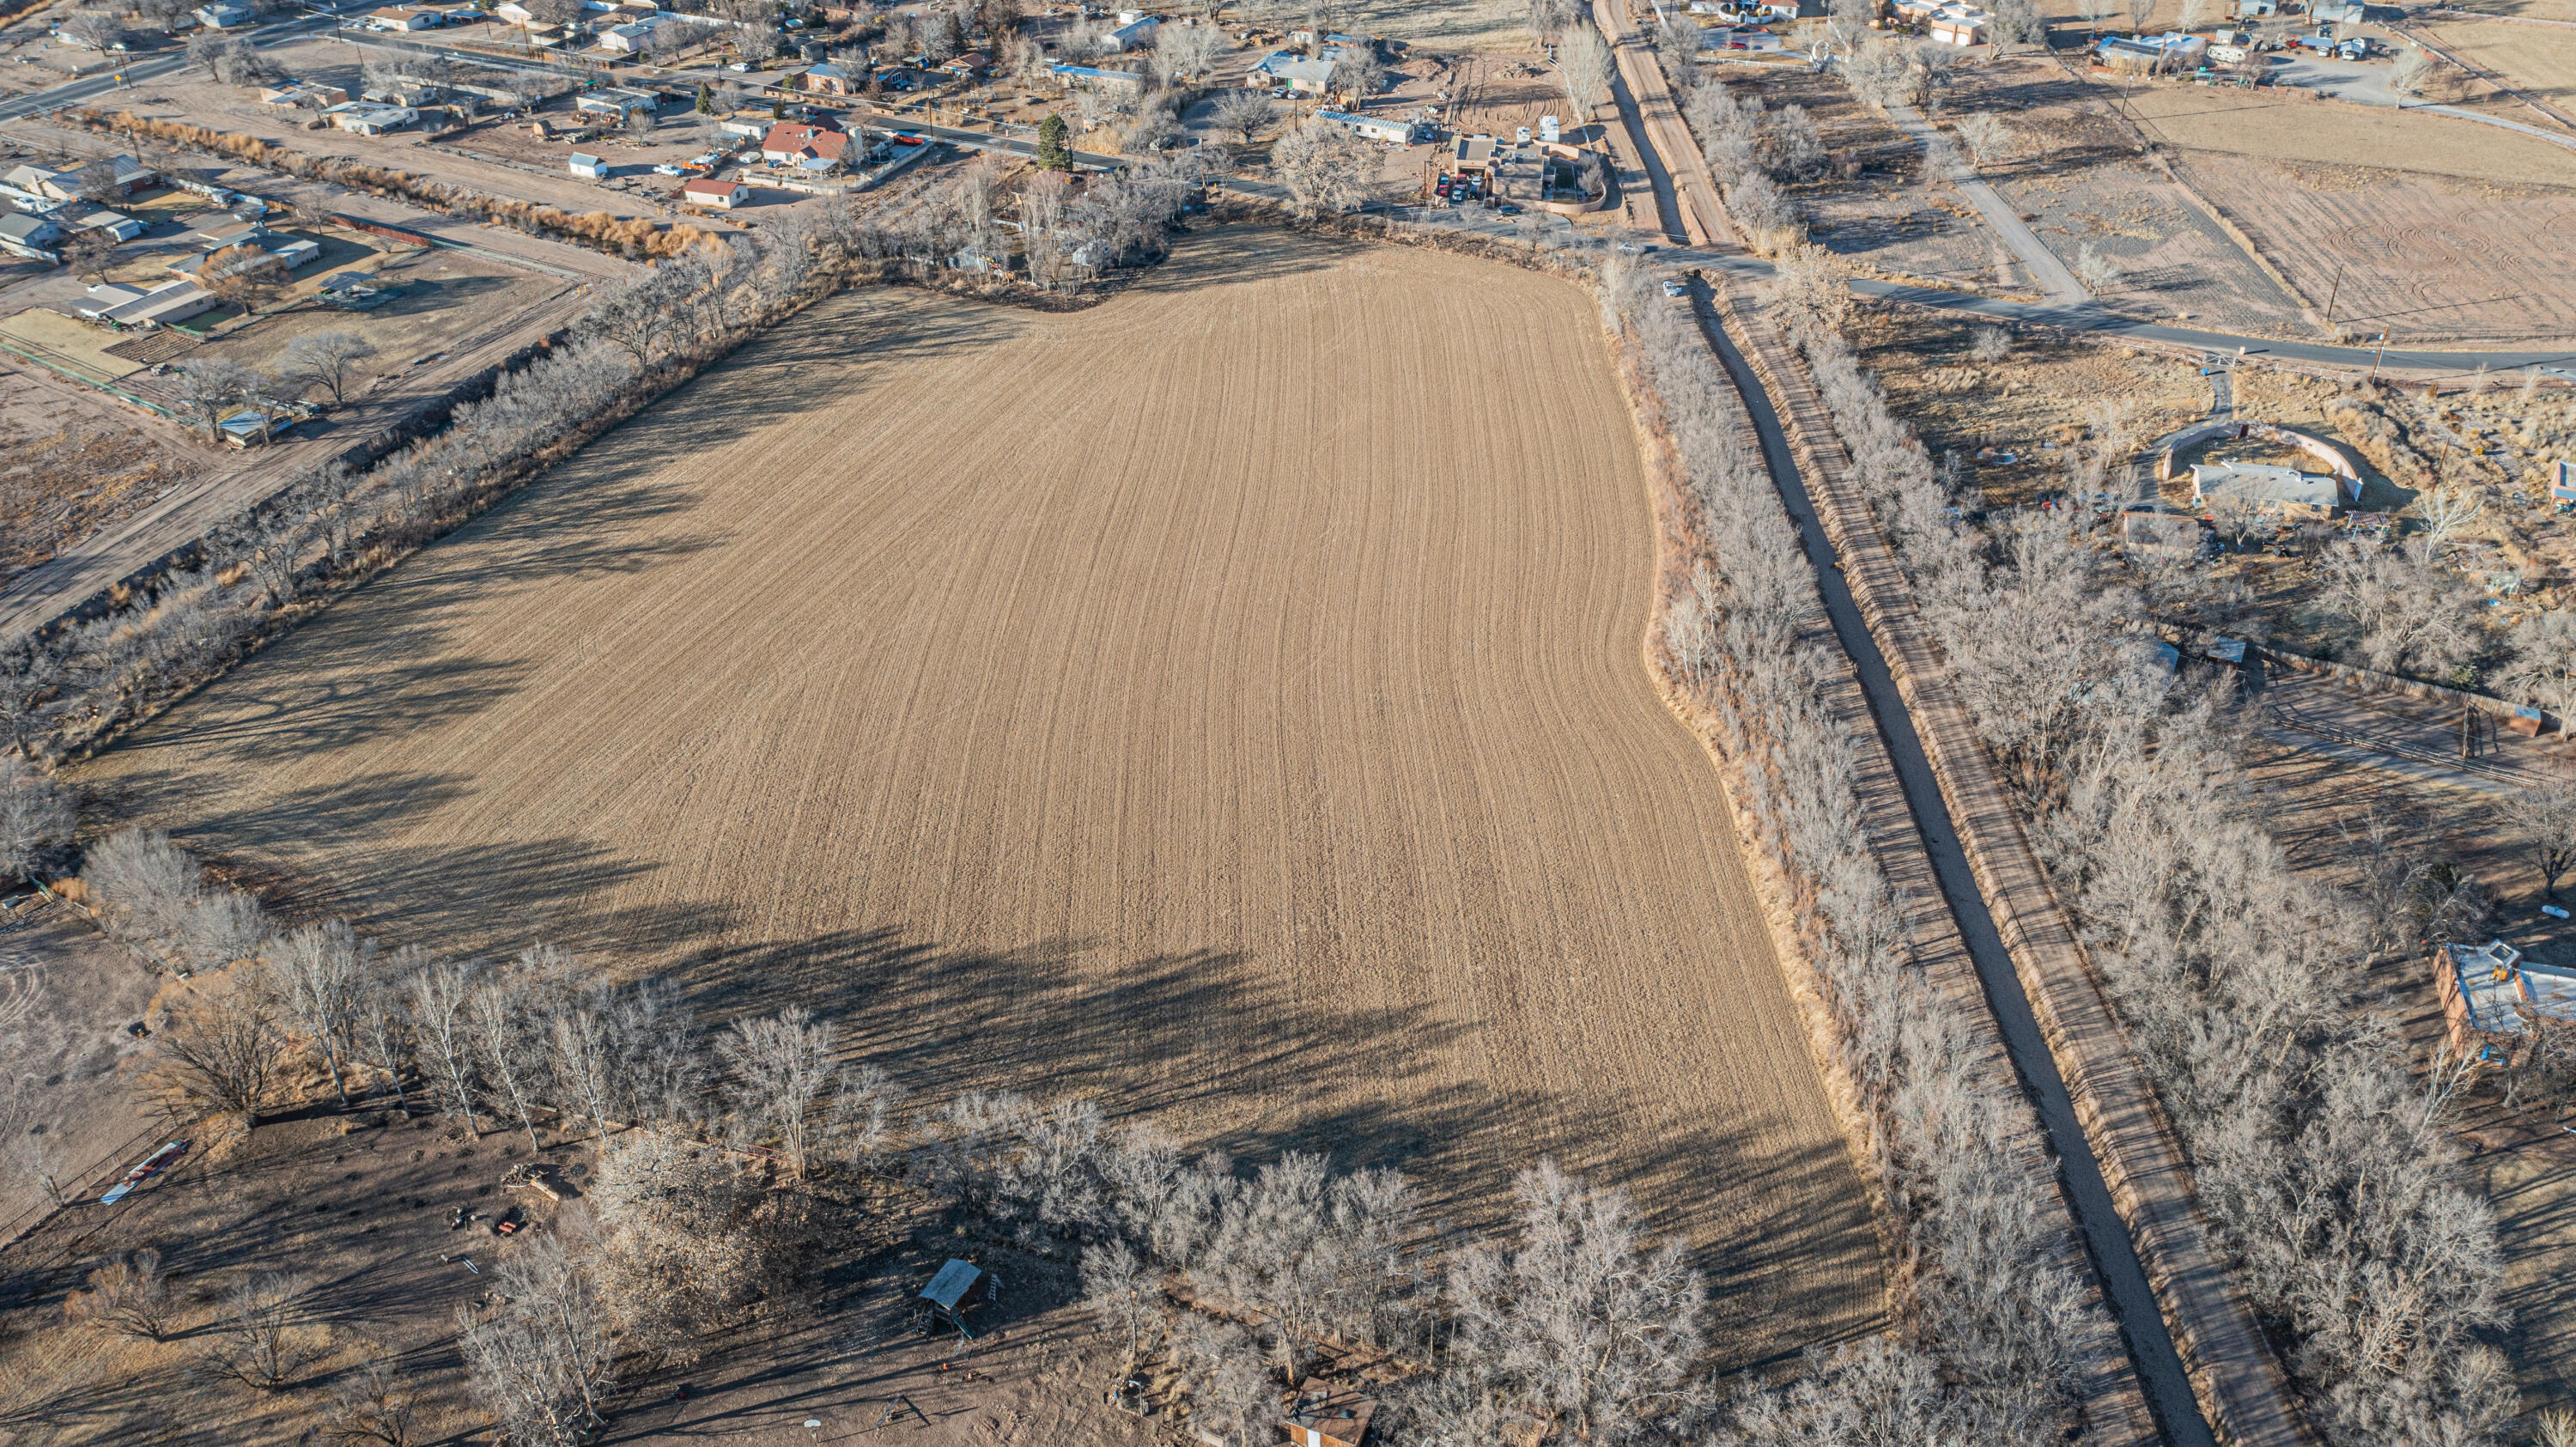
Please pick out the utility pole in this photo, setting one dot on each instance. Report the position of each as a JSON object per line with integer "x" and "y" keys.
{"x": 2331, "y": 293}
{"x": 2383, "y": 351}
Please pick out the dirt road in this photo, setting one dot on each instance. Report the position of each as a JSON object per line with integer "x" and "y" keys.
{"x": 1228, "y": 701}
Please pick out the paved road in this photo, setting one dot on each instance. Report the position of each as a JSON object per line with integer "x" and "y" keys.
{"x": 2045, "y": 269}
{"x": 150, "y": 67}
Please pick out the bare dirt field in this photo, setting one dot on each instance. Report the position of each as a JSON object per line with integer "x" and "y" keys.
{"x": 70, "y": 462}
{"x": 66, "y": 996}
{"x": 2072, "y": 168}
{"x": 2283, "y": 126}
{"x": 1497, "y": 25}
{"x": 2426, "y": 257}
{"x": 1215, "y": 702}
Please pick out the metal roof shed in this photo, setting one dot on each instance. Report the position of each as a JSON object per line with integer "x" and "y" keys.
{"x": 958, "y": 1285}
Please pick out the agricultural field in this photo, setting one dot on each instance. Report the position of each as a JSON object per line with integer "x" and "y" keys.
{"x": 2428, "y": 258}
{"x": 2540, "y": 59}
{"x": 1279, "y": 764}
{"x": 2273, "y": 125}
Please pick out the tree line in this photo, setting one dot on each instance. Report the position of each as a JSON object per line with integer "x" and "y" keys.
{"x": 1997, "y": 1327}
{"x": 2322, "y": 1153}
{"x": 714, "y": 1188}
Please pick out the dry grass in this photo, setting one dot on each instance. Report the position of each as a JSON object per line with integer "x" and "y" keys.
{"x": 2539, "y": 58}
{"x": 1227, "y": 701}
{"x": 2271, "y": 125}
{"x": 2428, "y": 258}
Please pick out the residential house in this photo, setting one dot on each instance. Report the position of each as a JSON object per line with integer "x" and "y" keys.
{"x": 106, "y": 298}
{"x": 629, "y": 39}
{"x": 1136, "y": 34}
{"x": 2492, "y": 997}
{"x": 83, "y": 216}
{"x": 799, "y": 143}
{"x": 404, "y": 18}
{"x": 1085, "y": 77}
{"x": 589, "y": 167}
{"x": 833, "y": 78}
{"x": 708, "y": 191}
{"x": 418, "y": 94}
{"x": 32, "y": 236}
{"x": 2338, "y": 12}
{"x": 1289, "y": 70}
{"x": 966, "y": 67}
{"x": 37, "y": 188}
{"x": 130, "y": 176}
{"x": 303, "y": 95}
{"x": 171, "y": 301}
{"x": 2282, "y": 491}
{"x": 1960, "y": 25}
{"x": 216, "y": 230}
{"x": 368, "y": 119}
{"x": 616, "y": 101}
{"x": 1393, "y": 130}
{"x": 223, "y": 17}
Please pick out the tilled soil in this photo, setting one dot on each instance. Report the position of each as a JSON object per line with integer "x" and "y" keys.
{"x": 1227, "y": 702}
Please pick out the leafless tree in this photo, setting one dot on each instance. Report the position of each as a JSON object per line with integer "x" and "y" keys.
{"x": 1794, "y": 149}
{"x": 2446, "y": 512}
{"x": 382, "y": 1029}
{"x": 259, "y": 1341}
{"x": 327, "y": 359}
{"x": 1275, "y": 1251}
{"x": 2016, "y": 22}
{"x": 1986, "y": 136}
{"x": 1186, "y": 51}
{"x": 782, "y": 1068}
{"x": 507, "y": 1055}
{"x": 584, "y": 1067}
{"x": 2091, "y": 267}
{"x": 130, "y": 1294}
{"x": 232, "y": 60}
{"x": 1584, "y": 68}
{"x": 2412, "y": 71}
{"x": 686, "y": 1243}
{"x": 1128, "y": 1294}
{"x": 36, "y": 818}
{"x": 1229, "y": 1384}
{"x": 209, "y": 388}
{"x": 219, "y": 926}
{"x": 87, "y": 251}
{"x": 2546, "y": 814}
{"x": 439, "y": 997}
{"x": 2411, "y": 617}
{"x": 317, "y": 973}
{"x": 97, "y": 29}
{"x": 1242, "y": 113}
{"x": 31, "y": 681}
{"x": 377, "y": 1400}
{"x": 1325, "y": 168}
{"x": 1550, "y": 19}
{"x": 2543, "y": 670}
{"x": 1579, "y": 1315}
{"x": 220, "y": 1052}
{"x": 545, "y": 1362}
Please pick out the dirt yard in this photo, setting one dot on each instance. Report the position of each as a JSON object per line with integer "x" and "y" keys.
{"x": 2540, "y": 59}
{"x": 1211, "y": 701}
{"x": 1492, "y": 25}
{"x": 70, "y": 463}
{"x": 66, "y": 996}
{"x": 2526, "y": 1163}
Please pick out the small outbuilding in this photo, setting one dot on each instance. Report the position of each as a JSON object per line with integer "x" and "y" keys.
{"x": 223, "y": 17}
{"x": 366, "y": 118}
{"x": 1289, "y": 70}
{"x": 29, "y": 236}
{"x": 1394, "y": 130}
{"x": 2493, "y": 998}
{"x": 708, "y": 191}
{"x": 954, "y": 1289}
{"x": 589, "y": 167}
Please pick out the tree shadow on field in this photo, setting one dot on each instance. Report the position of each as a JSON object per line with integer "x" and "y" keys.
{"x": 1778, "y": 1223}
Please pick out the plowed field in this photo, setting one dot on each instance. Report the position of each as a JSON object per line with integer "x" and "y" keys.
{"x": 1227, "y": 702}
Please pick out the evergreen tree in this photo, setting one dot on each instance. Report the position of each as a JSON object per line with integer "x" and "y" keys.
{"x": 1053, "y": 152}
{"x": 706, "y": 100}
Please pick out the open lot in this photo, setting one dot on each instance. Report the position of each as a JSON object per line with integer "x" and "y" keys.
{"x": 2428, "y": 258}
{"x": 2540, "y": 59}
{"x": 1282, "y": 766}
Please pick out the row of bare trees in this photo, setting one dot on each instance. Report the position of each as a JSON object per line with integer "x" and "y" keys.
{"x": 1066, "y": 232}
{"x": 1997, "y": 1329}
{"x": 74, "y": 685}
{"x": 2323, "y": 1155}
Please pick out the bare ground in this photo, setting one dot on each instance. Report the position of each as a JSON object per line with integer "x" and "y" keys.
{"x": 1227, "y": 701}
